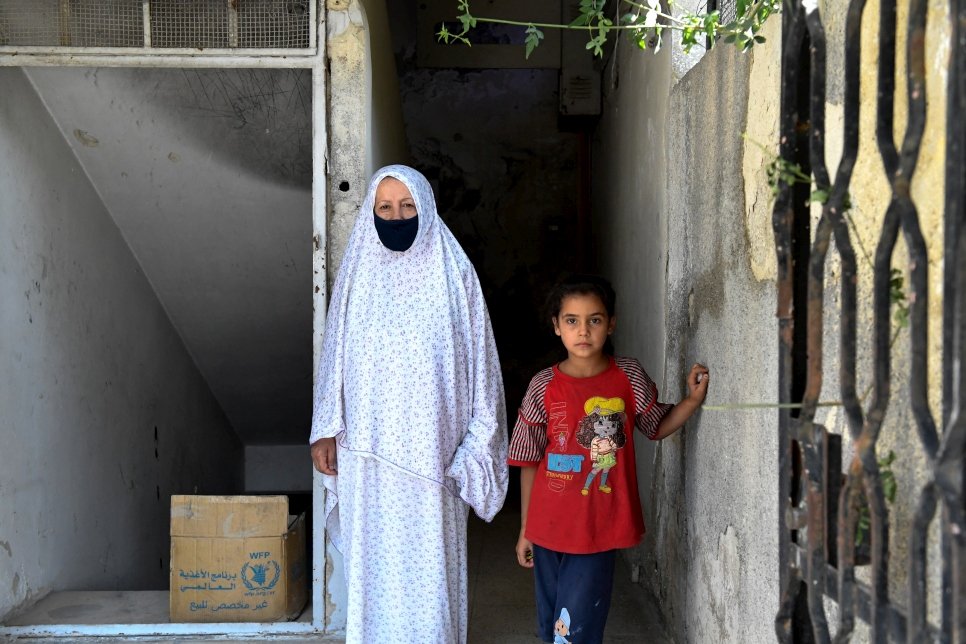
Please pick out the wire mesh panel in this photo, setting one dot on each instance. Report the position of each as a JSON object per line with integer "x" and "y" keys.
{"x": 158, "y": 24}
{"x": 71, "y": 23}
{"x": 273, "y": 24}
{"x": 181, "y": 24}
{"x": 727, "y": 10}
{"x": 30, "y": 22}
{"x": 96, "y": 23}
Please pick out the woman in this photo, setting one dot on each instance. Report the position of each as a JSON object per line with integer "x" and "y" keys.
{"x": 410, "y": 389}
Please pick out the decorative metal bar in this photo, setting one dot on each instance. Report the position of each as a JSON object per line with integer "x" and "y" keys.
{"x": 896, "y": 621}
{"x": 816, "y": 459}
{"x": 887, "y": 86}
{"x": 65, "y": 39}
{"x": 146, "y": 19}
{"x": 950, "y": 469}
{"x": 233, "y": 23}
{"x": 784, "y": 226}
{"x": 915, "y": 243}
{"x": 837, "y": 208}
{"x": 823, "y": 230}
{"x": 925, "y": 512}
{"x": 810, "y": 567}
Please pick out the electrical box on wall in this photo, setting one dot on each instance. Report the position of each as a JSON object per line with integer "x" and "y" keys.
{"x": 579, "y": 76}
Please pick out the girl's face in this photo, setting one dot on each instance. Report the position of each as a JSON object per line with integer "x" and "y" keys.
{"x": 583, "y": 325}
{"x": 606, "y": 426}
{"x": 393, "y": 200}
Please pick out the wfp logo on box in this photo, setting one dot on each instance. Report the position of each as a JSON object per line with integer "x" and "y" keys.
{"x": 260, "y": 575}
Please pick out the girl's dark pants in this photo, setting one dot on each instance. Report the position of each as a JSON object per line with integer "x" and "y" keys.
{"x": 580, "y": 583}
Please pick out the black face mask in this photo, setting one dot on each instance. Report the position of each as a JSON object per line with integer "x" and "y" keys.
{"x": 397, "y": 234}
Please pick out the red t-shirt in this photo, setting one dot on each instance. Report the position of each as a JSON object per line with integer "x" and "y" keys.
{"x": 576, "y": 432}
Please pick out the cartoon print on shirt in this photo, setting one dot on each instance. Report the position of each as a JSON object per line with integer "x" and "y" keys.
{"x": 561, "y": 441}
{"x": 602, "y": 432}
{"x": 561, "y": 467}
{"x": 562, "y": 628}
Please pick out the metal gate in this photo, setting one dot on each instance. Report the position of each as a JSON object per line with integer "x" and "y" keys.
{"x": 819, "y": 524}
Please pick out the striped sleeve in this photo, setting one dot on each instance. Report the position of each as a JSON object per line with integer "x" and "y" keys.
{"x": 529, "y": 440}
{"x": 650, "y": 411}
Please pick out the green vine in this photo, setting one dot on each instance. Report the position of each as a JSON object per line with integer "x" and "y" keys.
{"x": 889, "y": 489}
{"x": 645, "y": 23}
{"x": 782, "y": 171}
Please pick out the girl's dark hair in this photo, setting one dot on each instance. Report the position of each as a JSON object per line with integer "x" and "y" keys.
{"x": 582, "y": 285}
{"x": 586, "y": 433}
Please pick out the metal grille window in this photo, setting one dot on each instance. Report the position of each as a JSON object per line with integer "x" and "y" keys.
{"x": 157, "y": 24}
{"x": 274, "y": 24}
{"x": 178, "y": 24}
{"x": 826, "y": 510}
{"x": 79, "y": 23}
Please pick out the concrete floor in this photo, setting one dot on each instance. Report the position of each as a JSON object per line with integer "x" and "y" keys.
{"x": 502, "y": 606}
{"x": 500, "y": 593}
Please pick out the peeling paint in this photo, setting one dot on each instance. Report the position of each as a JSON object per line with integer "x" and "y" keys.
{"x": 86, "y": 139}
{"x": 729, "y": 560}
{"x": 348, "y": 113}
{"x": 6, "y": 546}
{"x": 761, "y": 129}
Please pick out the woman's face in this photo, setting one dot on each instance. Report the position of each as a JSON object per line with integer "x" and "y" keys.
{"x": 393, "y": 200}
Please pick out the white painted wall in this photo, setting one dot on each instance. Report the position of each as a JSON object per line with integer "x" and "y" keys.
{"x": 630, "y": 226}
{"x": 91, "y": 365}
{"x": 720, "y": 562}
{"x": 207, "y": 174}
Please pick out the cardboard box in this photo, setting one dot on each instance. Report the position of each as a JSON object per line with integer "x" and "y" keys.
{"x": 236, "y": 559}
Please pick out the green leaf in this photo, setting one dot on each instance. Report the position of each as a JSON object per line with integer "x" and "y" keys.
{"x": 862, "y": 525}
{"x": 468, "y": 21}
{"x": 534, "y": 36}
{"x": 819, "y": 196}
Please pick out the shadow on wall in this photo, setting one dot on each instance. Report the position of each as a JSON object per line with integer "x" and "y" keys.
{"x": 259, "y": 120}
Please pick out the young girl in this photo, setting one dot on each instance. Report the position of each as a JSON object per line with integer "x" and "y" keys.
{"x": 574, "y": 443}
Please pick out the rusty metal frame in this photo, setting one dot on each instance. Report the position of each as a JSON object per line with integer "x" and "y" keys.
{"x": 817, "y": 527}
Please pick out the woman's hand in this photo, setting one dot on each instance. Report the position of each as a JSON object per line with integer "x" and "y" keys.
{"x": 323, "y": 455}
{"x": 698, "y": 382}
{"x": 524, "y": 551}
